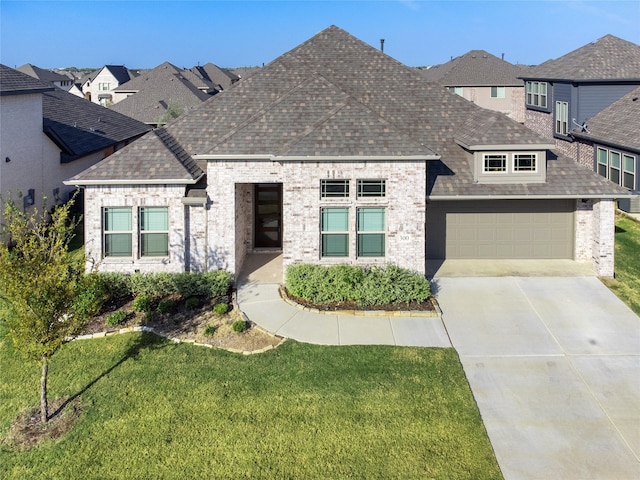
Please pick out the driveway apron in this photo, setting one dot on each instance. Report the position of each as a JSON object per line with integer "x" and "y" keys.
{"x": 554, "y": 365}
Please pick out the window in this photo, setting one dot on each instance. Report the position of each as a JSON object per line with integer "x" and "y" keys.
{"x": 456, "y": 90}
{"x": 371, "y": 232}
{"x": 524, "y": 162}
{"x": 562, "y": 118}
{"x": 117, "y": 231}
{"x": 537, "y": 94}
{"x": 629, "y": 172}
{"x": 103, "y": 86}
{"x": 334, "y": 188}
{"x": 371, "y": 188}
{"x": 154, "y": 232}
{"x": 617, "y": 167}
{"x": 334, "y": 230}
{"x": 497, "y": 92}
{"x": 495, "y": 163}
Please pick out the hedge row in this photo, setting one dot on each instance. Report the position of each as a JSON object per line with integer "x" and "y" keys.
{"x": 368, "y": 286}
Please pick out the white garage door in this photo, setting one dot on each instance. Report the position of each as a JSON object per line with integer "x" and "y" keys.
{"x": 500, "y": 229}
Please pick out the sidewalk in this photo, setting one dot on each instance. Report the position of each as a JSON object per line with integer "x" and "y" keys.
{"x": 261, "y": 303}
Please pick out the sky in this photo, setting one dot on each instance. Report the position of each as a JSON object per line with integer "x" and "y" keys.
{"x": 143, "y": 34}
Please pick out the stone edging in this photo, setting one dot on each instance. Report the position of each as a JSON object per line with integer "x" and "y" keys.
{"x": 175, "y": 339}
{"x": 365, "y": 313}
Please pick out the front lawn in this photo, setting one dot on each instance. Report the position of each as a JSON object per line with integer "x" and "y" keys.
{"x": 155, "y": 409}
{"x": 626, "y": 284}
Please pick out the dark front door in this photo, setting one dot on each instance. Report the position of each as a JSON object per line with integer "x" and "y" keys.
{"x": 268, "y": 215}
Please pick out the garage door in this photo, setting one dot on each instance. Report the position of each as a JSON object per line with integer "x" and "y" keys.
{"x": 500, "y": 229}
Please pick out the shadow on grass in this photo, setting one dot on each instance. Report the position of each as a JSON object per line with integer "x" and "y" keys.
{"x": 146, "y": 340}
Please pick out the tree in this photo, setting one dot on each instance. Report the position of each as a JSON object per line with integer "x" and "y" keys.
{"x": 38, "y": 282}
{"x": 172, "y": 112}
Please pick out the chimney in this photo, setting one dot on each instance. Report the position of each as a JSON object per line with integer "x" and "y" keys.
{"x": 503, "y": 56}
{"x": 382, "y": 45}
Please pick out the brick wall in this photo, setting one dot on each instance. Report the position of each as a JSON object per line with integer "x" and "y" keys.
{"x": 539, "y": 122}
{"x": 603, "y": 237}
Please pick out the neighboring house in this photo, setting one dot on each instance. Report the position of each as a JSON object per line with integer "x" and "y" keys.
{"x": 485, "y": 80}
{"x": 307, "y": 157}
{"x": 99, "y": 85}
{"x": 609, "y": 143}
{"x": 159, "y": 95}
{"x": 47, "y": 76}
{"x": 564, "y": 93}
{"x": 221, "y": 78}
{"x": 48, "y": 135}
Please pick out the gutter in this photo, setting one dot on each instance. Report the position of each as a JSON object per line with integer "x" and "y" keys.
{"x": 599, "y": 141}
{"x": 167, "y": 181}
{"x": 431, "y": 198}
{"x": 319, "y": 158}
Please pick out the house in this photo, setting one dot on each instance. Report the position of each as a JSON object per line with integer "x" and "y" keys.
{"x": 221, "y": 78}
{"x": 563, "y": 93}
{"x": 609, "y": 143}
{"x": 47, "y": 76}
{"x": 485, "y": 80}
{"x": 337, "y": 153}
{"x": 157, "y": 94}
{"x": 48, "y": 135}
{"x": 98, "y": 86}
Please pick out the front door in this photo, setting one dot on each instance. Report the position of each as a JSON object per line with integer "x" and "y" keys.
{"x": 268, "y": 215}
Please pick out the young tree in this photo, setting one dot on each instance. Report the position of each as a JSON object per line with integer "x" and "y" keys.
{"x": 38, "y": 280}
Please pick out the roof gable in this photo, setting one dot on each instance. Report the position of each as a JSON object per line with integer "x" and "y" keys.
{"x": 13, "y": 82}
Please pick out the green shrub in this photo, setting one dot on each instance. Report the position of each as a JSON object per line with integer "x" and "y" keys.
{"x": 210, "y": 330}
{"x": 166, "y": 305}
{"x": 192, "y": 303}
{"x": 116, "y": 285}
{"x": 90, "y": 296}
{"x": 142, "y": 303}
{"x": 116, "y": 318}
{"x": 239, "y": 326}
{"x": 368, "y": 286}
{"x": 220, "y": 308}
{"x": 210, "y": 284}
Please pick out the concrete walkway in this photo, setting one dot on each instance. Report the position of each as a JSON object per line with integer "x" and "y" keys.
{"x": 261, "y": 303}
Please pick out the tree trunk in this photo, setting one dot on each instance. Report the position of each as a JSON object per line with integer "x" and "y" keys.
{"x": 44, "y": 414}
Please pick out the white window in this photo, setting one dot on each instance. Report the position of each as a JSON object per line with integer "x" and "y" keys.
{"x": 562, "y": 118}
{"x": 371, "y": 231}
{"x": 618, "y": 167}
{"x": 537, "y": 94}
{"x": 494, "y": 163}
{"x": 154, "y": 231}
{"x": 334, "y": 188}
{"x": 334, "y": 230}
{"x": 116, "y": 226}
{"x": 456, "y": 90}
{"x": 497, "y": 92}
{"x": 371, "y": 188}
{"x": 103, "y": 86}
{"x": 524, "y": 162}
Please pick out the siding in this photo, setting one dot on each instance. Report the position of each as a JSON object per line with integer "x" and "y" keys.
{"x": 595, "y": 98}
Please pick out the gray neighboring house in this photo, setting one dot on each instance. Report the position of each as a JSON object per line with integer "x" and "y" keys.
{"x": 154, "y": 92}
{"x": 48, "y": 135}
{"x": 566, "y": 94}
{"x": 337, "y": 153}
{"x": 484, "y": 79}
{"x": 47, "y": 76}
{"x": 221, "y": 78}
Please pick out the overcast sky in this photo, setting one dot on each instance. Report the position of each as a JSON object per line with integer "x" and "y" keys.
{"x": 143, "y": 34}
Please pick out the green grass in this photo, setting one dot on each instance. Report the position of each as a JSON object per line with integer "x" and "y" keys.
{"x": 627, "y": 263}
{"x": 154, "y": 409}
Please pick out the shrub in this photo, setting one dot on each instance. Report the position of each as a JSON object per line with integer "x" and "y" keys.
{"x": 220, "y": 308}
{"x": 166, "y": 305}
{"x": 116, "y": 318}
{"x": 116, "y": 285}
{"x": 192, "y": 303}
{"x": 210, "y": 330}
{"x": 210, "y": 284}
{"x": 239, "y": 326}
{"x": 368, "y": 286}
{"x": 142, "y": 303}
{"x": 90, "y": 296}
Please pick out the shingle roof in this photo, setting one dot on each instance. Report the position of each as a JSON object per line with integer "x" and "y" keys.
{"x": 157, "y": 89}
{"x": 475, "y": 68}
{"x": 42, "y": 74}
{"x": 617, "y": 125}
{"x": 80, "y": 127}
{"x": 608, "y": 58}
{"x": 13, "y": 82}
{"x": 220, "y": 77}
{"x": 336, "y": 95}
{"x": 120, "y": 72}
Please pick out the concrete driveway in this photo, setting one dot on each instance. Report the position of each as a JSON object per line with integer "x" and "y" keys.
{"x": 554, "y": 365}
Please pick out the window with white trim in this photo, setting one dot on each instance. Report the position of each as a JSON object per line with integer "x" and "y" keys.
{"x": 116, "y": 226}
{"x": 104, "y": 86}
{"x": 494, "y": 163}
{"x": 334, "y": 231}
{"x": 154, "y": 231}
{"x": 524, "y": 162}
{"x": 497, "y": 92}
{"x": 371, "y": 231}
{"x": 371, "y": 188}
{"x": 618, "y": 167}
{"x": 536, "y": 94}
{"x": 334, "y": 188}
{"x": 562, "y": 118}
